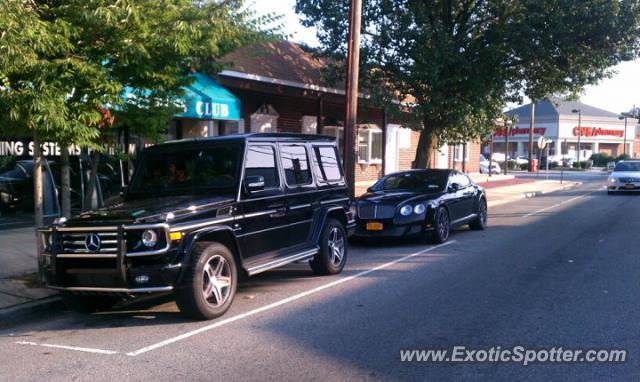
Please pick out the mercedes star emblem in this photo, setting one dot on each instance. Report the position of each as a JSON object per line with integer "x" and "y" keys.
{"x": 92, "y": 242}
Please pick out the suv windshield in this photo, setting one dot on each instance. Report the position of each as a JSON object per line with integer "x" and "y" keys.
{"x": 188, "y": 170}
{"x": 414, "y": 181}
{"x": 627, "y": 166}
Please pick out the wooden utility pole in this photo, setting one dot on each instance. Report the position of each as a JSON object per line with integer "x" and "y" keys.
{"x": 532, "y": 122}
{"x": 351, "y": 94}
{"x": 37, "y": 187}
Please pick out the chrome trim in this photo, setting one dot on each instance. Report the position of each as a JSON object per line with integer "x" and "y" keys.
{"x": 300, "y": 206}
{"x": 137, "y": 227}
{"x": 282, "y": 261}
{"x": 86, "y": 255}
{"x": 114, "y": 290}
{"x": 87, "y": 229}
{"x": 471, "y": 216}
{"x": 254, "y": 214}
{"x": 334, "y": 201}
{"x": 277, "y": 227}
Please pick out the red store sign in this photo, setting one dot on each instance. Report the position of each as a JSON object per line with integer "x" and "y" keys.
{"x": 586, "y": 131}
{"x": 519, "y": 131}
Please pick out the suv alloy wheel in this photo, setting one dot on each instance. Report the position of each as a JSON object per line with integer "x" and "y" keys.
{"x": 333, "y": 249}
{"x": 210, "y": 284}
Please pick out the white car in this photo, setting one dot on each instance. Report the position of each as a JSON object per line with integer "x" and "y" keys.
{"x": 522, "y": 160}
{"x": 484, "y": 166}
{"x": 625, "y": 177}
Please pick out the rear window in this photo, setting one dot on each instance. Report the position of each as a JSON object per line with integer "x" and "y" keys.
{"x": 328, "y": 163}
{"x": 261, "y": 161}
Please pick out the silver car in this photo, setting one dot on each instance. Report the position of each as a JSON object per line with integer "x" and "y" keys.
{"x": 625, "y": 177}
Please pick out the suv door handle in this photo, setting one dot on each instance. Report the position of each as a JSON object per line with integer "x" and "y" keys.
{"x": 279, "y": 212}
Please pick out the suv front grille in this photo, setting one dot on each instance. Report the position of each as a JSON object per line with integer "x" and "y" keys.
{"x": 88, "y": 244}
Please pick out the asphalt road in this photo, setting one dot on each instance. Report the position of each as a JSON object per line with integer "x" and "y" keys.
{"x": 556, "y": 270}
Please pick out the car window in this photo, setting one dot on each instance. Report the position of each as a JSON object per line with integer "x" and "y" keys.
{"x": 413, "y": 181}
{"x": 295, "y": 163}
{"x": 627, "y": 166}
{"x": 329, "y": 167}
{"x": 261, "y": 161}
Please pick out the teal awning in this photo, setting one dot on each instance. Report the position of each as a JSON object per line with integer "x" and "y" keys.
{"x": 204, "y": 98}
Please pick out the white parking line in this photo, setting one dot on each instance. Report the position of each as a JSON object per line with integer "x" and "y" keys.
{"x": 279, "y": 303}
{"x": 85, "y": 350}
{"x": 238, "y": 317}
{"x": 559, "y": 204}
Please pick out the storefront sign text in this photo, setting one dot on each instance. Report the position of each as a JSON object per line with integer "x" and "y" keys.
{"x": 585, "y": 131}
{"x": 520, "y": 131}
{"x": 212, "y": 109}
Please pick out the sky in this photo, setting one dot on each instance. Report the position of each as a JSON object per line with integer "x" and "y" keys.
{"x": 617, "y": 94}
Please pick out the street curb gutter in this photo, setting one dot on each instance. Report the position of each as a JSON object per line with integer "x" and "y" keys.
{"x": 12, "y": 315}
{"x": 531, "y": 194}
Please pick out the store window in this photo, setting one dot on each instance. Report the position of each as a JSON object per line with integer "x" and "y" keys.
{"x": 338, "y": 133}
{"x": 309, "y": 124}
{"x": 295, "y": 163}
{"x": 370, "y": 145}
{"x": 459, "y": 152}
{"x": 265, "y": 120}
{"x": 231, "y": 127}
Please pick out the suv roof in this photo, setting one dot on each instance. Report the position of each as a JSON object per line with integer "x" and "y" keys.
{"x": 256, "y": 137}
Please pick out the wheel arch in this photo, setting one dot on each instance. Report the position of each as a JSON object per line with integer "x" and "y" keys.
{"x": 219, "y": 234}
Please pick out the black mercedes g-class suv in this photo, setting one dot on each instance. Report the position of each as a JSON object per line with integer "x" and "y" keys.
{"x": 198, "y": 215}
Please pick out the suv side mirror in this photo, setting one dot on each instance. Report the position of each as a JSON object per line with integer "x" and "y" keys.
{"x": 254, "y": 183}
{"x": 453, "y": 187}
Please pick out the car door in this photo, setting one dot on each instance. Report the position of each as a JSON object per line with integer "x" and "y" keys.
{"x": 263, "y": 227}
{"x": 465, "y": 195}
{"x": 299, "y": 188}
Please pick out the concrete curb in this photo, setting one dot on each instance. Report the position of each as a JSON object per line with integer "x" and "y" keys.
{"x": 531, "y": 194}
{"x": 11, "y": 315}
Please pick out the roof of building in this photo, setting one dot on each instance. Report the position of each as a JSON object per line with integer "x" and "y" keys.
{"x": 555, "y": 107}
{"x": 283, "y": 60}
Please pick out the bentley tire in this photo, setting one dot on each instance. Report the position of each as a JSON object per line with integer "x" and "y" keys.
{"x": 442, "y": 226}
{"x": 480, "y": 222}
{"x": 333, "y": 249}
{"x": 209, "y": 286}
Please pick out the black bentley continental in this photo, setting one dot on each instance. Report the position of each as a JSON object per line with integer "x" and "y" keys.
{"x": 198, "y": 215}
{"x": 420, "y": 202}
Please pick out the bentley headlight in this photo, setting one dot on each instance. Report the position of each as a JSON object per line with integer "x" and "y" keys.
{"x": 406, "y": 210}
{"x": 419, "y": 208}
{"x": 149, "y": 238}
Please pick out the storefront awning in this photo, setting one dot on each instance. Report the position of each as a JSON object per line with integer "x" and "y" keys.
{"x": 204, "y": 98}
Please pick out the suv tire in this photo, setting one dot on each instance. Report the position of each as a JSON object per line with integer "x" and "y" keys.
{"x": 87, "y": 304}
{"x": 480, "y": 222}
{"x": 209, "y": 285}
{"x": 332, "y": 256}
{"x": 442, "y": 226}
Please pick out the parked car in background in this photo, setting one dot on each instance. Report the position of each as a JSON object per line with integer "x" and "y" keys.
{"x": 485, "y": 167}
{"x": 521, "y": 160}
{"x": 499, "y": 157}
{"x": 200, "y": 213}
{"x": 624, "y": 178}
{"x": 420, "y": 202}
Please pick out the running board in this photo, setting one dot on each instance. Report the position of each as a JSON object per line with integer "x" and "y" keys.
{"x": 282, "y": 261}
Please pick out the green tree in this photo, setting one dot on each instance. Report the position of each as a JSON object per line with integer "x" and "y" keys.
{"x": 462, "y": 60}
{"x": 64, "y": 62}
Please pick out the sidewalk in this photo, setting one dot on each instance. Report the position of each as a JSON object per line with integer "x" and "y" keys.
{"x": 21, "y": 293}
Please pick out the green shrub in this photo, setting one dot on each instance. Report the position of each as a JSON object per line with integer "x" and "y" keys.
{"x": 601, "y": 160}
{"x": 622, "y": 157}
{"x": 524, "y": 167}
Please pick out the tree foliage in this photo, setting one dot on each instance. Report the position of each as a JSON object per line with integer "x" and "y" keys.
{"x": 457, "y": 62}
{"x": 63, "y": 62}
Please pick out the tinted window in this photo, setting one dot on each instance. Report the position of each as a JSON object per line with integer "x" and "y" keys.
{"x": 461, "y": 179}
{"x": 296, "y": 165}
{"x": 261, "y": 161}
{"x": 413, "y": 181}
{"x": 187, "y": 170}
{"x": 327, "y": 159}
{"x": 627, "y": 166}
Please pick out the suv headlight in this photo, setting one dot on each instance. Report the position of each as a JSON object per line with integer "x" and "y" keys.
{"x": 149, "y": 238}
{"x": 419, "y": 208}
{"x": 406, "y": 210}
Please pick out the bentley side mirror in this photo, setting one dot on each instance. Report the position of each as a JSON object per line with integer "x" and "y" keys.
{"x": 254, "y": 183}
{"x": 453, "y": 187}
{"x": 369, "y": 189}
